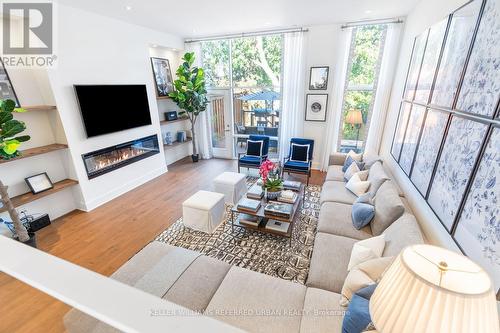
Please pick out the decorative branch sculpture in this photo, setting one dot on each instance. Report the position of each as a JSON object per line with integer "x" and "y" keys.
{"x": 22, "y": 233}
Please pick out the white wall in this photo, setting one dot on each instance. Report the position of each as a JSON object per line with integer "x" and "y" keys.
{"x": 321, "y": 50}
{"x": 426, "y": 13}
{"x": 94, "y": 49}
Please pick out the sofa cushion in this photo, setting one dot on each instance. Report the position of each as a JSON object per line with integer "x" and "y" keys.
{"x": 403, "y": 232}
{"x": 322, "y": 312}
{"x": 377, "y": 176}
{"x": 257, "y": 302}
{"x": 334, "y": 173}
{"x": 370, "y": 158}
{"x": 336, "y": 192}
{"x": 196, "y": 286}
{"x": 388, "y": 208}
{"x": 335, "y": 218}
{"x": 329, "y": 261}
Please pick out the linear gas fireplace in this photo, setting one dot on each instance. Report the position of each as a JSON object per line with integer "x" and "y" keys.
{"x": 111, "y": 158}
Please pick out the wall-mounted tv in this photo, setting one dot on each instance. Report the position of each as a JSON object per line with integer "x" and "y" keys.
{"x": 112, "y": 108}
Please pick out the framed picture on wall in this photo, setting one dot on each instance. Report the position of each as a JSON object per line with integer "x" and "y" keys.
{"x": 316, "y": 105}
{"x": 6, "y": 88}
{"x": 318, "y": 78}
{"x": 163, "y": 77}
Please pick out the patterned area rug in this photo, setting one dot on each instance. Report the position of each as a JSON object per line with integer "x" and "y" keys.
{"x": 260, "y": 252}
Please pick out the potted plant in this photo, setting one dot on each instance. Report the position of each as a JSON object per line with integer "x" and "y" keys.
{"x": 272, "y": 183}
{"x": 9, "y": 144}
{"x": 190, "y": 94}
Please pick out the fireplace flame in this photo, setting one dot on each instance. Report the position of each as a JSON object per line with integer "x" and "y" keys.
{"x": 111, "y": 158}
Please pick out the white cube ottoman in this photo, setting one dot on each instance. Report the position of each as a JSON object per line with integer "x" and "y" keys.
{"x": 203, "y": 211}
{"x": 232, "y": 185}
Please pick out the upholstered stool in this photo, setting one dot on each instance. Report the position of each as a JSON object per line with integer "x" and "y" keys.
{"x": 232, "y": 185}
{"x": 203, "y": 211}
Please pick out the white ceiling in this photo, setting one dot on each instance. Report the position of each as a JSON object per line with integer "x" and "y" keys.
{"x": 195, "y": 18}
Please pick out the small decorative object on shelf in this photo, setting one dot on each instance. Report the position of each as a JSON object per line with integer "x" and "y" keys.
{"x": 272, "y": 183}
{"x": 9, "y": 142}
{"x": 39, "y": 183}
{"x": 181, "y": 136}
{"x": 170, "y": 115}
{"x": 168, "y": 138}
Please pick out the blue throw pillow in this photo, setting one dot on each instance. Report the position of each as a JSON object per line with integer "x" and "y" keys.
{"x": 254, "y": 148}
{"x": 362, "y": 214}
{"x": 357, "y": 316}
{"x": 349, "y": 160}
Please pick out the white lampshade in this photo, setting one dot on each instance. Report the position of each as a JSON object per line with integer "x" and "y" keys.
{"x": 431, "y": 289}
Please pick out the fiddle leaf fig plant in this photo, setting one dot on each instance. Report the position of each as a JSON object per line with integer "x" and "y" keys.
{"x": 9, "y": 130}
{"x": 190, "y": 93}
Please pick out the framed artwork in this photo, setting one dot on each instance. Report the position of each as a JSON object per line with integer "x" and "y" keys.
{"x": 316, "y": 105}
{"x": 399, "y": 135}
{"x": 411, "y": 138}
{"x": 318, "y": 78}
{"x": 460, "y": 151}
{"x": 39, "y": 183}
{"x": 478, "y": 231}
{"x": 429, "y": 61}
{"x": 6, "y": 88}
{"x": 163, "y": 77}
{"x": 462, "y": 25}
{"x": 425, "y": 159}
{"x": 480, "y": 89}
{"x": 415, "y": 63}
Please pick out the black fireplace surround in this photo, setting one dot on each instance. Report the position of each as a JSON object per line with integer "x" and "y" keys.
{"x": 111, "y": 158}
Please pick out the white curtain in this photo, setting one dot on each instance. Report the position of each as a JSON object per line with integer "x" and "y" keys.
{"x": 384, "y": 88}
{"x": 292, "y": 109}
{"x": 336, "y": 104}
{"x": 202, "y": 126}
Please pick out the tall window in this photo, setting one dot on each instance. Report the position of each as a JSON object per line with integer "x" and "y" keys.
{"x": 365, "y": 56}
{"x": 250, "y": 67}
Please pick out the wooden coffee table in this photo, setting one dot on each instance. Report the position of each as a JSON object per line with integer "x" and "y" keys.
{"x": 265, "y": 217}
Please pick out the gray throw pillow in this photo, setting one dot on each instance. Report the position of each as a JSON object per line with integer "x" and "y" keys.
{"x": 376, "y": 177}
{"x": 388, "y": 208}
{"x": 362, "y": 214}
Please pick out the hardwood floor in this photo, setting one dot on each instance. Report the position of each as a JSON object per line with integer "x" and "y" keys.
{"x": 105, "y": 238}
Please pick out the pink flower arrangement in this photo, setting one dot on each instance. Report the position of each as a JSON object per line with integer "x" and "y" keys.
{"x": 266, "y": 167}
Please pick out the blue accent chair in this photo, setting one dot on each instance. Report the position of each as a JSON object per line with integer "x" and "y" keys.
{"x": 254, "y": 162}
{"x": 298, "y": 167}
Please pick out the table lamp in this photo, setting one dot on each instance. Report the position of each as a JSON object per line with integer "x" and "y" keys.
{"x": 354, "y": 118}
{"x": 431, "y": 289}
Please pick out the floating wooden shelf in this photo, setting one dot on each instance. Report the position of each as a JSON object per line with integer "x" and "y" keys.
{"x": 37, "y": 151}
{"x": 176, "y": 144}
{"x": 40, "y": 108}
{"x": 29, "y": 197}
{"x": 165, "y": 122}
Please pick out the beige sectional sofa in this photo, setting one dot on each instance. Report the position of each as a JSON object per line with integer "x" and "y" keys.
{"x": 260, "y": 303}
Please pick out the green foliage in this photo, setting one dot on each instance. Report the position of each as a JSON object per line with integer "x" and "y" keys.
{"x": 9, "y": 128}
{"x": 256, "y": 61}
{"x": 274, "y": 184}
{"x": 189, "y": 88}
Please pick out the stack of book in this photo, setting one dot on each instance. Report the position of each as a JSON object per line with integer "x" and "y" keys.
{"x": 277, "y": 226}
{"x": 279, "y": 209}
{"x": 255, "y": 192}
{"x": 288, "y": 196}
{"x": 249, "y": 219}
{"x": 291, "y": 185}
{"x": 249, "y": 205}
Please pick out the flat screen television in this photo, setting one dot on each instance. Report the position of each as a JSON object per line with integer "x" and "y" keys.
{"x": 112, "y": 108}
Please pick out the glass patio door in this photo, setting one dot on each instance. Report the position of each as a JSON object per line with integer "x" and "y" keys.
{"x": 221, "y": 123}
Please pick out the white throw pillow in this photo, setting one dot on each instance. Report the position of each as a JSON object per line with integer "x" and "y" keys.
{"x": 351, "y": 170}
{"x": 357, "y": 186}
{"x": 357, "y": 157}
{"x": 365, "y": 250}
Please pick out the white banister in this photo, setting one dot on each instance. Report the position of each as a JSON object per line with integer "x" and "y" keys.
{"x": 121, "y": 306}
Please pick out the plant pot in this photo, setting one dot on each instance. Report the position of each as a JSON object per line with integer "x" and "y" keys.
{"x": 273, "y": 195}
{"x": 195, "y": 157}
{"x": 32, "y": 241}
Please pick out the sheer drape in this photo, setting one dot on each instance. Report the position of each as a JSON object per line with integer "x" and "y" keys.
{"x": 292, "y": 110}
{"x": 336, "y": 104}
{"x": 202, "y": 126}
{"x": 386, "y": 77}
